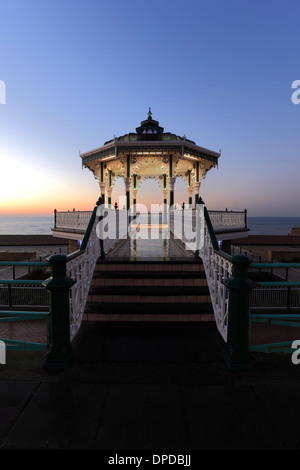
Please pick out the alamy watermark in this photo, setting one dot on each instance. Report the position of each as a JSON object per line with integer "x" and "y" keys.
{"x": 2, "y": 352}
{"x": 2, "y": 92}
{"x": 295, "y": 355}
{"x": 139, "y": 223}
{"x": 296, "y": 94}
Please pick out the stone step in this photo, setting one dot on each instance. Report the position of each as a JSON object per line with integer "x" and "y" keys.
{"x": 143, "y": 309}
{"x": 153, "y": 290}
{"x": 148, "y": 290}
{"x": 154, "y": 274}
{"x": 151, "y": 299}
{"x": 148, "y": 317}
{"x": 149, "y": 267}
{"x": 149, "y": 281}
{"x": 148, "y": 294}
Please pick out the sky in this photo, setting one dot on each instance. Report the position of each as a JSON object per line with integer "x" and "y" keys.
{"x": 76, "y": 73}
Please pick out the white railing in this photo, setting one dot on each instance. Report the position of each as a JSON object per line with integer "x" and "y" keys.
{"x": 227, "y": 220}
{"x": 221, "y": 220}
{"x": 72, "y": 220}
{"x": 81, "y": 264}
{"x": 81, "y": 269}
{"x": 217, "y": 269}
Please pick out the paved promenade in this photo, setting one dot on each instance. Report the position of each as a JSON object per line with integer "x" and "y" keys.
{"x": 155, "y": 387}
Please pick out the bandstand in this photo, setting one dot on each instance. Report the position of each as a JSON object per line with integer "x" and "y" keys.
{"x": 181, "y": 277}
{"x": 149, "y": 153}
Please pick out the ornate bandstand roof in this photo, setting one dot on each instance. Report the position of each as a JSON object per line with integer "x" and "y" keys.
{"x": 150, "y": 141}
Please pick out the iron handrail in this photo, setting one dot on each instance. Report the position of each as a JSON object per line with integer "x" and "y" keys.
{"x": 86, "y": 237}
{"x": 275, "y": 265}
{"x": 214, "y": 239}
{"x": 25, "y": 263}
{"x": 20, "y": 282}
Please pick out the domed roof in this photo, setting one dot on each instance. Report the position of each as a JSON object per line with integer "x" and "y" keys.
{"x": 149, "y": 126}
{"x": 150, "y": 137}
{"x": 149, "y": 130}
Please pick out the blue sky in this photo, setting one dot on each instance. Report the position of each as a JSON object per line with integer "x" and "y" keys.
{"x": 77, "y": 73}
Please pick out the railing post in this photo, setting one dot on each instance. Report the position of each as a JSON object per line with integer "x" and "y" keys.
{"x": 99, "y": 203}
{"x": 58, "y": 285}
{"x": 237, "y": 346}
{"x": 197, "y": 215}
{"x": 245, "y": 218}
{"x": 288, "y": 306}
{"x": 10, "y": 303}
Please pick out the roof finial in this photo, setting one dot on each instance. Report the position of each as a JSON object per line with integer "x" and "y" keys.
{"x": 149, "y": 114}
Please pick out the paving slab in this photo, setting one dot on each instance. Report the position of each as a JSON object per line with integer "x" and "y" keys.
{"x": 227, "y": 417}
{"x": 14, "y": 397}
{"x": 59, "y": 416}
{"x": 283, "y": 407}
{"x": 143, "y": 417}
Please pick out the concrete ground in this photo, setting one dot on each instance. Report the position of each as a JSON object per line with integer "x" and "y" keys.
{"x": 148, "y": 386}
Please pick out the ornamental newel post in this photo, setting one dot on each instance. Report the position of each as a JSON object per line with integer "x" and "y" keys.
{"x": 99, "y": 204}
{"x": 237, "y": 346}
{"x": 198, "y": 222}
{"x": 58, "y": 286}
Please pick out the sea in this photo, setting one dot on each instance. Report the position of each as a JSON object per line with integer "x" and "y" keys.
{"x": 42, "y": 225}
{"x": 26, "y": 224}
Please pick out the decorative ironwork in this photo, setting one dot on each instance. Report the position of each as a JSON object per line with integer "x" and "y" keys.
{"x": 73, "y": 220}
{"x": 217, "y": 268}
{"x": 227, "y": 220}
{"x": 81, "y": 269}
{"x": 221, "y": 220}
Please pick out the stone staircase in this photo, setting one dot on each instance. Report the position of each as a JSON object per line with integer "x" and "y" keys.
{"x": 149, "y": 291}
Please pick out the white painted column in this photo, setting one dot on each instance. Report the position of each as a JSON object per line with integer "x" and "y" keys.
{"x": 127, "y": 182}
{"x": 171, "y": 182}
{"x": 165, "y": 194}
{"x": 196, "y": 189}
{"x": 109, "y": 191}
{"x": 102, "y": 189}
{"x": 190, "y": 193}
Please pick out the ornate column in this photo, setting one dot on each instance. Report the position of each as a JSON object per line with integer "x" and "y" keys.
{"x": 127, "y": 182}
{"x": 134, "y": 191}
{"x": 165, "y": 193}
{"x": 196, "y": 188}
{"x": 109, "y": 188}
{"x": 109, "y": 191}
{"x": 190, "y": 193}
{"x": 102, "y": 184}
{"x": 102, "y": 189}
{"x": 171, "y": 182}
{"x": 189, "y": 188}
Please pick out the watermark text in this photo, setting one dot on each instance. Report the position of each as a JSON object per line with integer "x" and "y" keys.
{"x": 296, "y": 94}
{"x": 2, "y": 352}
{"x": 2, "y": 92}
{"x": 139, "y": 223}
